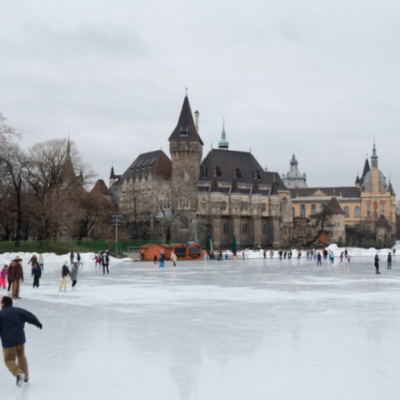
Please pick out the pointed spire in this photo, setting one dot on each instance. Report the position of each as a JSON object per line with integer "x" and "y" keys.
{"x": 366, "y": 169}
{"x": 186, "y": 128}
{"x": 68, "y": 148}
{"x": 374, "y": 157}
{"x": 112, "y": 174}
{"x": 214, "y": 184}
{"x": 223, "y": 143}
{"x": 274, "y": 189}
{"x": 255, "y": 189}
{"x": 357, "y": 180}
{"x": 234, "y": 187}
{"x": 334, "y": 206}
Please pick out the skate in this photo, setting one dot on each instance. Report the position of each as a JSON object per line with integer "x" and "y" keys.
{"x": 20, "y": 379}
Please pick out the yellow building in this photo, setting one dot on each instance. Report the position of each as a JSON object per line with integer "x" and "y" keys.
{"x": 370, "y": 198}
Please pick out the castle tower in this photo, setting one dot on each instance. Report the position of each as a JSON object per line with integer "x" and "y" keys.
{"x": 223, "y": 143}
{"x": 294, "y": 179}
{"x": 186, "y": 149}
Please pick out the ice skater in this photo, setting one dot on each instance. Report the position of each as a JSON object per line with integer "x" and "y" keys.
{"x": 64, "y": 273}
{"x": 155, "y": 258}
{"x": 36, "y": 273}
{"x": 174, "y": 258}
{"x": 72, "y": 257}
{"x": 74, "y": 275}
{"x": 341, "y": 256}
{"x": 78, "y": 257}
{"x": 377, "y": 264}
{"x": 280, "y": 255}
{"x": 41, "y": 262}
{"x": 33, "y": 261}
{"x": 319, "y": 257}
{"x": 106, "y": 261}
{"x": 3, "y": 276}
{"x": 265, "y": 254}
{"x": 9, "y": 277}
{"x": 299, "y": 255}
{"x": 12, "y": 324}
{"x": 97, "y": 260}
{"x": 162, "y": 259}
{"x": 17, "y": 277}
{"x": 389, "y": 261}
{"x": 332, "y": 257}
{"x": 271, "y": 254}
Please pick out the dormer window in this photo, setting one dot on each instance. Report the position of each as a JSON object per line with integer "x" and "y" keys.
{"x": 143, "y": 167}
{"x": 184, "y": 131}
{"x": 218, "y": 172}
{"x": 238, "y": 173}
{"x": 258, "y": 174}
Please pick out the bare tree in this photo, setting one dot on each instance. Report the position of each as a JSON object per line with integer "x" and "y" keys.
{"x": 321, "y": 219}
{"x": 7, "y": 133}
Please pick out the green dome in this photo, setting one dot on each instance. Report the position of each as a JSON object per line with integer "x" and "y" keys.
{"x": 223, "y": 143}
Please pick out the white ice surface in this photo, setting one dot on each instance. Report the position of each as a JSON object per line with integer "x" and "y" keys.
{"x": 237, "y": 329}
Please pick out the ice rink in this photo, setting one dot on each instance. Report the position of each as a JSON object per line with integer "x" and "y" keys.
{"x": 244, "y": 329}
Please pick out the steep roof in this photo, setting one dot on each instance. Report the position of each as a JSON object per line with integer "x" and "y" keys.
{"x": 234, "y": 187}
{"x": 345, "y": 191}
{"x": 366, "y": 169}
{"x": 256, "y": 188}
{"x": 214, "y": 185}
{"x": 391, "y": 190}
{"x": 334, "y": 206}
{"x": 382, "y": 222}
{"x": 67, "y": 170}
{"x": 101, "y": 188}
{"x": 358, "y": 180}
{"x": 274, "y": 190}
{"x": 240, "y": 162}
{"x": 155, "y": 163}
{"x": 185, "y": 129}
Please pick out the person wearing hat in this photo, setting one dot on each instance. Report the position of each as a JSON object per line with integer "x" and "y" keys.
{"x": 74, "y": 275}
{"x": 64, "y": 273}
{"x": 12, "y": 324}
{"x": 17, "y": 277}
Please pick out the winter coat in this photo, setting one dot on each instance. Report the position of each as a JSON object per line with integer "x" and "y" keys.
{"x": 33, "y": 261}
{"x": 65, "y": 271}
{"x": 389, "y": 258}
{"x": 162, "y": 257}
{"x": 3, "y": 272}
{"x": 319, "y": 257}
{"x": 37, "y": 272}
{"x": 174, "y": 257}
{"x": 74, "y": 273}
{"x": 79, "y": 257}
{"x": 376, "y": 261}
{"x": 12, "y": 323}
{"x": 17, "y": 273}
{"x": 105, "y": 259}
{"x": 71, "y": 256}
{"x": 10, "y": 271}
{"x": 41, "y": 259}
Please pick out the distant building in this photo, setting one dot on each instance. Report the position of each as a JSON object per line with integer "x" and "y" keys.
{"x": 294, "y": 179}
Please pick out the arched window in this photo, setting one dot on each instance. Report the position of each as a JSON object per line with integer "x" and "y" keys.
{"x": 184, "y": 202}
{"x": 264, "y": 207}
{"x": 284, "y": 206}
{"x": 293, "y": 212}
{"x": 357, "y": 212}
{"x": 346, "y": 212}
{"x": 244, "y": 206}
{"x": 218, "y": 172}
{"x": 302, "y": 211}
{"x": 223, "y": 206}
{"x": 313, "y": 209}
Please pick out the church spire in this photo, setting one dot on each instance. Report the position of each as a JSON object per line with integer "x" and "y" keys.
{"x": 223, "y": 143}
{"x": 68, "y": 149}
{"x": 374, "y": 157}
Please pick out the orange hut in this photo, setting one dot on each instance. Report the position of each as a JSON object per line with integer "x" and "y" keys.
{"x": 147, "y": 251}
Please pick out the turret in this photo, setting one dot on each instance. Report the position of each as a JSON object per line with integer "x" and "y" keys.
{"x": 223, "y": 143}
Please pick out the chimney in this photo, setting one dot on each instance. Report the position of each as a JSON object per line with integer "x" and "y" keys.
{"x": 196, "y": 115}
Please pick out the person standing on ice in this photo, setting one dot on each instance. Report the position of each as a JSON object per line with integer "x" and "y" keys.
{"x": 41, "y": 262}
{"x": 162, "y": 259}
{"x": 174, "y": 258}
{"x": 299, "y": 255}
{"x": 74, "y": 275}
{"x": 389, "y": 261}
{"x": 78, "y": 257}
{"x": 9, "y": 277}
{"x": 64, "y": 273}
{"x": 280, "y": 254}
{"x": 394, "y": 252}
{"x": 332, "y": 257}
{"x": 376, "y": 264}
{"x": 271, "y": 254}
{"x": 72, "y": 256}
{"x": 341, "y": 256}
{"x": 36, "y": 273}
{"x": 319, "y": 257}
{"x": 3, "y": 275}
{"x": 17, "y": 276}
{"x": 12, "y": 324}
{"x": 155, "y": 258}
{"x": 33, "y": 261}
{"x": 105, "y": 263}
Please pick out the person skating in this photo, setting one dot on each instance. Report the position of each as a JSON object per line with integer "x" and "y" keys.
{"x": 265, "y": 253}
{"x": 389, "y": 261}
{"x": 33, "y": 261}
{"x": 72, "y": 256}
{"x": 319, "y": 257}
{"x": 105, "y": 263}
{"x": 377, "y": 264}
{"x": 174, "y": 258}
{"x": 325, "y": 254}
{"x": 332, "y": 257}
{"x": 3, "y": 276}
{"x": 64, "y": 273}
{"x": 162, "y": 259}
{"x": 299, "y": 255}
{"x": 290, "y": 254}
{"x": 394, "y": 252}
{"x": 155, "y": 258}
{"x": 74, "y": 275}
{"x": 284, "y": 255}
{"x": 12, "y": 324}
{"x": 78, "y": 257}
{"x": 9, "y": 277}
{"x": 345, "y": 253}
{"x": 41, "y": 262}
{"x": 271, "y": 254}
{"x": 17, "y": 277}
{"x": 97, "y": 261}
{"x": 280, "y": 254}
{"x": 36, "y": 273}
{"x": 341, "y": 256}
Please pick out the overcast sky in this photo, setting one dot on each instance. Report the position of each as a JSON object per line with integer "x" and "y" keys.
{"x": 316, "y": 78}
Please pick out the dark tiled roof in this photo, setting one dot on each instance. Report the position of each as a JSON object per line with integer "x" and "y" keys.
{"x": 101, "y": 188}
{"x": 366, "y": 169}
{"x": 185, "y": 129}
{"x": 334, "y": 206}
{"x": 350, "y": 191}
{"x": 391, "y": 190}
{"x": 255, "y": 189}
{"x": 214, "y": 185}
{"x": 382, "y": 222}
{"x": 155, "y": 163}
{"x": 241, "y": 162}
{"x": 358, "y": 180}
{"x": 234, "y": 187}
{"x": 112, "y": 174}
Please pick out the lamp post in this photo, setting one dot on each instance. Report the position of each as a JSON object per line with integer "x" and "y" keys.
{"x": 116, "y": 222}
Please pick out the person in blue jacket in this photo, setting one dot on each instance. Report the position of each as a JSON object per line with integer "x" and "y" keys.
{"x": 162, "y": 259}
{"x": 36, "y": 273}
{"x": 12, "y": 324}
{"x": 319, "y": 257}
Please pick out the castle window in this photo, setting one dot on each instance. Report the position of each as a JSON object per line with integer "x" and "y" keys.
{"x": 293, "y": 212}
{"x": 368, "y": 210}
{"x": 313, "y": 209}
{"x": 238, "y": 173}
{"x": 258, "y": 174}
{"x": 218, "y": 172}
{"x": 264, "y": 207}
{"x": 203, "y": 205}
{"x": 184, "y": 202}
{"x": 357, "y": 212}
{"x": 226, "y": 228}
{"x": 244, "y": 206}
{"x": 223, "y": 206}
{"x": 383, "y": 209}
{"x": 245, "y": 228}
{"x": 184, "y": 131}
{"x": 265, "y": 229}
{"x": 303, "y": 211}
{"x": 284, "y": 230}
{"x": 346, "y": 212}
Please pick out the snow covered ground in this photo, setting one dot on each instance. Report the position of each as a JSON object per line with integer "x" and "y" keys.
{"x": 240, "y": 329}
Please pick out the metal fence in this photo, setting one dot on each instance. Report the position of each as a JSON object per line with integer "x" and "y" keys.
{"x": 53, "y": 246}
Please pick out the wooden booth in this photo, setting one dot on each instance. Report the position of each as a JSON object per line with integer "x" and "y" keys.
{"x": 194, "y": 252}
{"x": 147, "y": 251}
